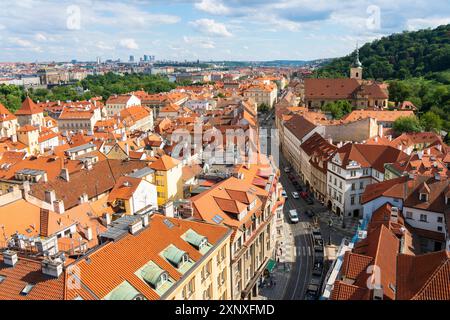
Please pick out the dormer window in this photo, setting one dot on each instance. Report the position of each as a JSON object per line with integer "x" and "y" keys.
{"x": 154, "y": 275}
{"x": 423, "y": 197}
{"x": 175, "y": 256}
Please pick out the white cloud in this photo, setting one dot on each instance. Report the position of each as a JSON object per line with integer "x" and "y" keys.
{"x": 20, "y": 42}
{"x": 211, "y": 27}
{"x": 40, "y": 37}
{"x": 416, "y": 24}
{"x": 104, "y": 46}
{"x": 212, "y": 7}
{"x": 129, "y": 44}
{"x": 199, "y": 42}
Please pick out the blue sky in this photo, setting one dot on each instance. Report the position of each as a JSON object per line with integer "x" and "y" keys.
{"x": 62, "y": 30}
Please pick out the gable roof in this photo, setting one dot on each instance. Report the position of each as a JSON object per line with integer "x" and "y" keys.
{"x": 165, "y": 163}
{"x": 27, "y": 271}
{"x": 374, "y": 156}
{"x": 124, "y": 188}
{"x": 114, "y": 262}
{"x": 299, "y": 126}
{"x": 424, "y": 277}
{"x": 100, "y": 179}
{"x": 5, "y": 114}
{"x": 28, "y": 108}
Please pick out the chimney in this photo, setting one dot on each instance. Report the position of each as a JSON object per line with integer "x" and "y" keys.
{"x": 145, "y": 220}
{"x": 378, "y": 293}
{"x": 10, "y": 258}
{"x": 135, "y": 227}
{"x": 83, "y": 198}
{"x": 65, "y": 174}
{"x": 26, "y": 188}
{"x": 88, "y": 165}
{"x": 58, "y": 206}
{"x": 88, "y": 233}
{"x": 52, "y": 267}
{"x": 107, "y": 219}
{"x": 380, "y": 130}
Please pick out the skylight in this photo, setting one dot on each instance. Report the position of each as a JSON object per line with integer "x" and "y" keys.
{"x": 26, "y": 290}
{"x": 168, "y": 223}
{"x": 217, "y": 219}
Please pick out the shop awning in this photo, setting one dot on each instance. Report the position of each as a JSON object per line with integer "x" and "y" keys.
{"x": 271, "y": 265}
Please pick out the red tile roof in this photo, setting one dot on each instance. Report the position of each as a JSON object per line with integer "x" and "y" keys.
{"x": 424, "y": 277}
{"x": 373, "y": 156}
{"x": 165, "y": 163}
{"x": 28, "y": 108}
{"x": 25, "y": 272}
{"x": 117, "y": 261}
{"x": 299, "y": 126}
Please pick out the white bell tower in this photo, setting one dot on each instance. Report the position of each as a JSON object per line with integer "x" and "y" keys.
{"x": 356, "y": 69}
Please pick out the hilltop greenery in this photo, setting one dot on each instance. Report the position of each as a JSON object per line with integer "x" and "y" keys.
{"x": 415, "y": 64}
{"x": 100, "y": 85}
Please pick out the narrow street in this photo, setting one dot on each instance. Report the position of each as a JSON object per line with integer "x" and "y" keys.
{"x": 301, "y": 265}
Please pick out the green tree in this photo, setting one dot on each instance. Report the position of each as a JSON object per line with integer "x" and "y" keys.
{"x": 430, "y": 121}
{"x": 407, "y": 124}
{"x": 263, "y": 107}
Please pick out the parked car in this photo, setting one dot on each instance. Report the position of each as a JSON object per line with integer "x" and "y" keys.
{"x": 316, "y": 231}
{"x": 309, "y": 213}
{"x": 312, "y": 291}
{"x": 318, "y": 257}
{"x": 284, "y": 194}
{"x": 293, "y": 216}
{"x": 317, "y": 237}
{"x": 318, "y": 242}
{"x": 304, "y": 194}
{"x": 299, "y": 188}
{"x": 295, "y": 195}
{"x": 287, "y": 169}
{"x": 317, "y": 270}
{"x": 309, "y": 201}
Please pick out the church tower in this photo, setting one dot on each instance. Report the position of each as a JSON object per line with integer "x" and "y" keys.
{"x": 356, "y": 69}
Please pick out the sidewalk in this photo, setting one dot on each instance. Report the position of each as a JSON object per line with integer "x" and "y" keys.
{"x": 281, "y": 272}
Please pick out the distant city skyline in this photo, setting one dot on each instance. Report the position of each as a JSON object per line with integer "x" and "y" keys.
{"x": 251, "y": 30}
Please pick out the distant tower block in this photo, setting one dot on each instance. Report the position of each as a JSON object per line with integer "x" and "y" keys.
{"x": 356, "y": 69}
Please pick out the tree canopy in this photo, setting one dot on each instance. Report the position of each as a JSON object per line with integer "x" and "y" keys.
{"x": 100, "y": 85}
{"x": 416, "y": 66}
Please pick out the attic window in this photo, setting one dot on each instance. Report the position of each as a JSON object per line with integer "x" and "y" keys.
{"x": 154, "y": 275}
{"x": 175, "y": 256}
{"x": 2, "y": 278}
{"x": 423, "y": 197}
{"x": 27, "y": 289}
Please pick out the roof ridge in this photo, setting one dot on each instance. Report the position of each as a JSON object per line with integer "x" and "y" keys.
{"x": 431, "y": 277}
